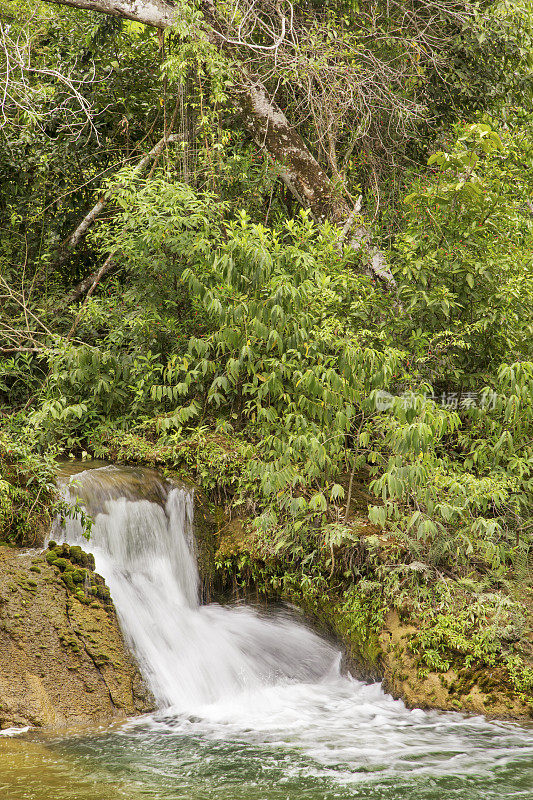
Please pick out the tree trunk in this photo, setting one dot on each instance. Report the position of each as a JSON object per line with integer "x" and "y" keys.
{"x": 304, "y": 177}
{"x": 90, "y": 218}
{"x": 299, "y": 170}
{"x": 88, "y": 284}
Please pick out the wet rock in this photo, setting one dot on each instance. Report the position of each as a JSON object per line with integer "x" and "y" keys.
{"x": 63, "y": 661}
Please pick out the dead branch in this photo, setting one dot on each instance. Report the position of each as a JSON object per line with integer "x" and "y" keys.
{"x": 90, "y": 218}
{"x": 87, "y": 284}
{"x": 106, "y": 267}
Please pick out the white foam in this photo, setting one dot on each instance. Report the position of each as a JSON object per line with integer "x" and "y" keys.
{"x": 232, "y": 673}
{"x": 14, "y": 731}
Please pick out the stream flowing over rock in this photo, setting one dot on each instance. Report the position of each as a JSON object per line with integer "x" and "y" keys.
{"x": 63, "y": 661}
{"x": 241, "y": 695}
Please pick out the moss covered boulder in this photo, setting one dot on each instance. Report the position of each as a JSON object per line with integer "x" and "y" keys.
{"x": 63, "y": 661}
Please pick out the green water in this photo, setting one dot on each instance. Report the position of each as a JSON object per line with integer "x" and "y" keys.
{"x": 477, "y": 761}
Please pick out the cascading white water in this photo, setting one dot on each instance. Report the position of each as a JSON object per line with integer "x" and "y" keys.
{"x": 190, "y": 655}
{"x": 233, "y": 674}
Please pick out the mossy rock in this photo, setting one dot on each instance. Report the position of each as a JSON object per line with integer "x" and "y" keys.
{"x": 73, "y": 554}
{"x": 79, "y": 556}
{"x": 67, "y": 560}
{"x": 79, "y": 575}
{"x": 103, "y": 592}
{"x": 63, "y": 661}
{"x": 79, "y": 594}
{"x": 66, "y": 577}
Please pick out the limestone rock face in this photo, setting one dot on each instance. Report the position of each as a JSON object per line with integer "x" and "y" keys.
{"x": 63, "y": 661}
{"x": 463, "y": 688}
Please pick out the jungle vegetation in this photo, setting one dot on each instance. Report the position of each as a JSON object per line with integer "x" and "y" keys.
{"x": 286, "y": 248}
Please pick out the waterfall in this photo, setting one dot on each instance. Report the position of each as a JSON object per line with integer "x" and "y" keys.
{"x": 190, "y": 655}
{"x": 243, "y": 680}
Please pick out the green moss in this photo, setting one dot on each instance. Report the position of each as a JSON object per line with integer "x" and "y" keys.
{"x": 66, "y": 577}
{"x": 103, "y": 592}
{"x": 79, "y": 556}
{"x": 73, "y": 576}
{"x": 204, "y": 527}
{"x": 355, "y": 620}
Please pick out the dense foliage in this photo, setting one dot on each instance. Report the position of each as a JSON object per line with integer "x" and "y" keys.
{"x": 379, "y": 444}
{"x": 27, "y": 490}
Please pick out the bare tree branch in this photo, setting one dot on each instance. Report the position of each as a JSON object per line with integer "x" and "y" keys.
{"x": 89, "y": 219}
{"x": 20, "y": 93}
{"x": 89, "y": 283}
{"x": 22, "y": 349}
{"x": 97, "y": 276}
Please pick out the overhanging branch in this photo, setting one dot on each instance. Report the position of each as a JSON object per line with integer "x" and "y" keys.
{"x": 266, "y": 122}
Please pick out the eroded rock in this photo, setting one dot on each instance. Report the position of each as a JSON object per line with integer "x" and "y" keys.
{"x": 63, "y": 661}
